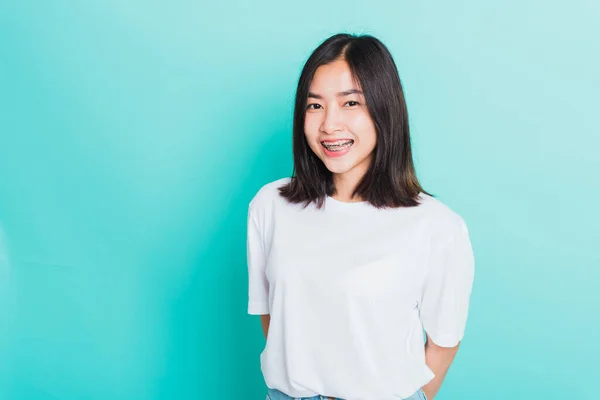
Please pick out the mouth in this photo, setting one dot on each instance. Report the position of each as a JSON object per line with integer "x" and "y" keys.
{"x": 337, "y": 145}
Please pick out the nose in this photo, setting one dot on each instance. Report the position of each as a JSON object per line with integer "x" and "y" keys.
{"x": 332, "y": 121}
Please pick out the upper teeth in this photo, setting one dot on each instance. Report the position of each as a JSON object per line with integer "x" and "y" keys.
{"x": 337, "y": 143}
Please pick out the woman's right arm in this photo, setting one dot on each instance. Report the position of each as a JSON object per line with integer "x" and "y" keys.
{"x": 265, "y": 320}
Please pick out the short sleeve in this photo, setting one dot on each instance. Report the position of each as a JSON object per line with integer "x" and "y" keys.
{"x": 258, "y": 286}
{"x": 447, "y": 289}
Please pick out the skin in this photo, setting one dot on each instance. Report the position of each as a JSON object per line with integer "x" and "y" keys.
{"x": 438, "y": 359}
{"x": 336, "y": 108}
{"x": 334, "y": 113}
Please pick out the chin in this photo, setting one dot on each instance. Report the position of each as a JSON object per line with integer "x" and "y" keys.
{"x": 338, "y": 169}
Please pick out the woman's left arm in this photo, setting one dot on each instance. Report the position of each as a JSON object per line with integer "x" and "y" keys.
{"x": 438, "y": 359}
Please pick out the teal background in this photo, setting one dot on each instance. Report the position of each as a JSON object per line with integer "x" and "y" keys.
{"x": 133, "y": 135}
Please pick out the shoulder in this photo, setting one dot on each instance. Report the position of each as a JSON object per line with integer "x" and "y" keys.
{"x": 267, "y": 195}
{"x": 443, "y": 222}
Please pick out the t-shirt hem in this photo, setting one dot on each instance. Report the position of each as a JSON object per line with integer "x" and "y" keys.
{"x": 258, "y": 308}
{"x": 445, "y": 340}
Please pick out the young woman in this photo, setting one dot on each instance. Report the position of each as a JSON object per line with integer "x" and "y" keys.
{"x": 350, "y": 259}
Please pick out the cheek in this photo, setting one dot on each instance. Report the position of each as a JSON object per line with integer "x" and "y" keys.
{"x": 311, "y": 135}
{"x": 362, "y": 125}
{"x": 311, "y": 129}
{"x": 309, "y": 124}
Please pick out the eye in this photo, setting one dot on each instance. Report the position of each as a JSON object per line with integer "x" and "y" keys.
{"x": 309, "y": 107}
{"x": 352, "y": 103}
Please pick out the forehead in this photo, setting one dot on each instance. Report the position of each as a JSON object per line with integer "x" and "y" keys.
{"x": 332, "y": 78}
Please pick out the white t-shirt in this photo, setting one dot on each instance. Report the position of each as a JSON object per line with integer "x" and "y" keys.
{"x": 350, "y": 288}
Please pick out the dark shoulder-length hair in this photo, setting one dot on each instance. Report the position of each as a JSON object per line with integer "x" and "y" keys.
{"x": 391, "y": 180}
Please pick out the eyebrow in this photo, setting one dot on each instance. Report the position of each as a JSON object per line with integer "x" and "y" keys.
{"x": 339, "y": 94}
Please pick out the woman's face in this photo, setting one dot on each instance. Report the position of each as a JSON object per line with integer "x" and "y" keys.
{"x": 338, "y": 127}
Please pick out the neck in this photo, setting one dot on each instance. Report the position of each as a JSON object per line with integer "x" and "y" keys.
{"x": 344, "y": 186}
{"x": 345, "y": 182}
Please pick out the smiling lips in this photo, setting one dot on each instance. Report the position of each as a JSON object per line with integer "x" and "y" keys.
{"x": 338, "y": 147}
